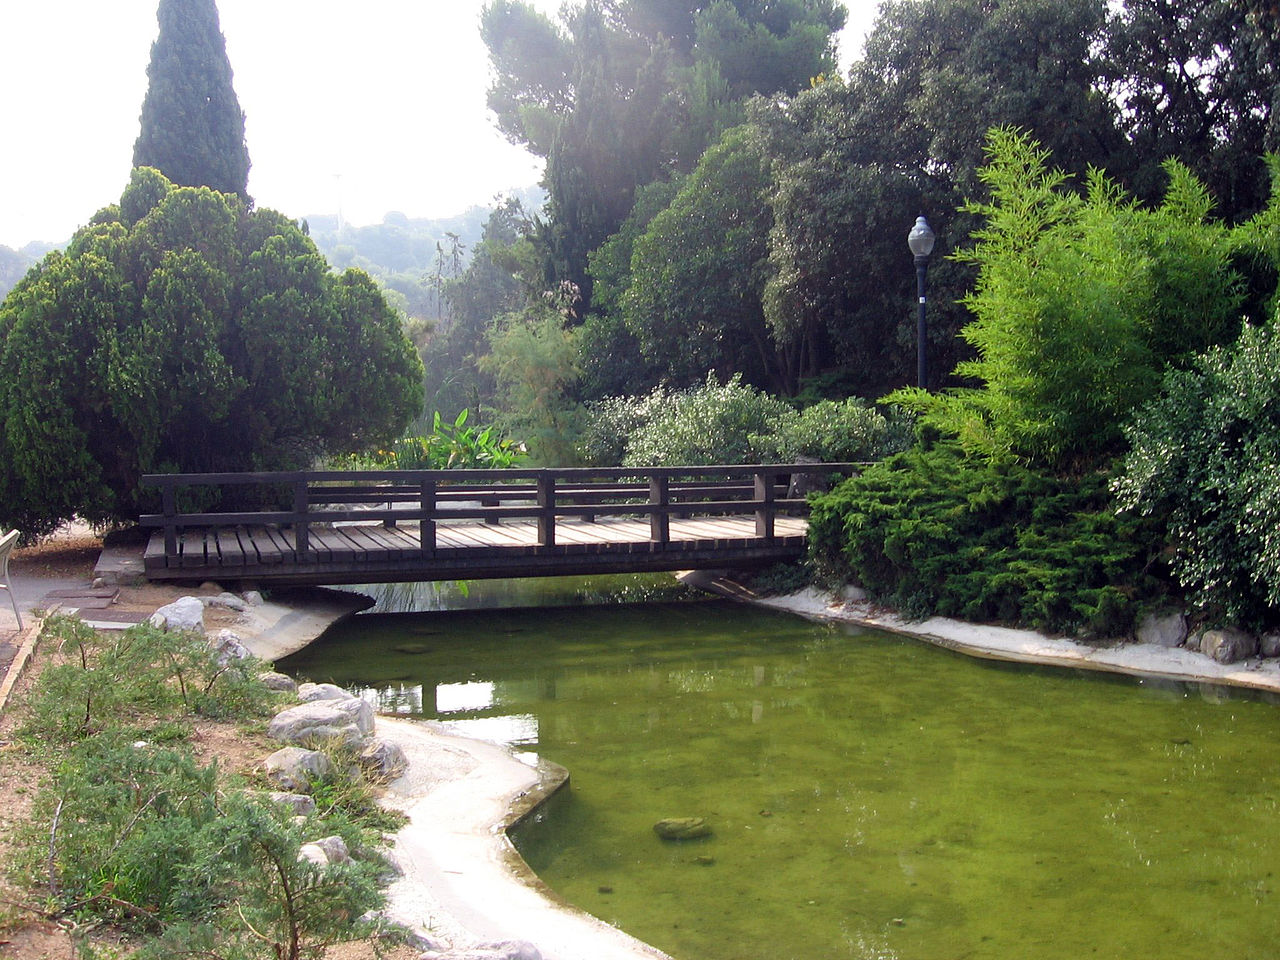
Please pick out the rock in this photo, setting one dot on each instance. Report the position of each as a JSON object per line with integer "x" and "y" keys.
{"x": 1163, "y": 630}
{"x": 334, "y": 847}
{"x": 308, "y": 692}
{"x": 1269, "y": 645}
{"x": 184, "y": 615}
{"x": 493, "y": 950}
{"x": 278, "y": 682}
{"x": 314, "y": 853}
{"x": 294, "y": 769}
{"x": 1228, "y": 645}
{"x": 228, "y": 601}
{"x": 853, "y": 594}
{"x": 682, "y": 828}
{"x": 1192, "y": 642}
{"x": 228, "y": 647}
{"x": 253, "y": 598}
{"x": 383, "y": 760}
{"x": 345, "y": 721}
{"x": 298, "y": 803}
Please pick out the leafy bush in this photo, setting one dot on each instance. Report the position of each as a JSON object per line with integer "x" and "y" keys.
{"x": 935, "y": 533}
{"x": 449, "y": 446}
{"x": 1205, "y": 457}
{"x": 132, "y": 830}
{"x": 846, "y": 431}
{"x": 713, "y": 423}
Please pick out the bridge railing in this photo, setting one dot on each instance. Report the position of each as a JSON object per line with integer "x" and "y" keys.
{"x": 304, "y": 499}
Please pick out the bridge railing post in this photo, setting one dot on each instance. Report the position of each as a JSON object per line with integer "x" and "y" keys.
{"x": 169, "y": 510}
{"x": 547, "y": 507}
{"x": 659, "y": 509}
{"x": 301, "y": 521}
{"x": 765, "y": 509}
{"x": 427, "y": 525}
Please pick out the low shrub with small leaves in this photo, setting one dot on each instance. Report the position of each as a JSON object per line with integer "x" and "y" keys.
{"x": 935, "y": 533}
{"x": 130, "y": 829}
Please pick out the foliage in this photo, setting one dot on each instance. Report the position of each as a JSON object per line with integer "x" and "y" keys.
{"x": 114, "y": 675}
{"x": 493, "y": 284}
{"x": 709, "y": 424}
{"x": 449, "y": 446}
{"x": 192, "y": 125}
{"x": 132, "y": 830}
{"x": 183, "y": 332}
{"x": 1205, "y": 457}
{"x": 534, "y": 361}
{"x": 693, "y": 299}
{"x": 936, "y": 533}
{"x": 847, "y": 431}
{"x": 615, "y": 100}
{"x": 1196, "y": 80}
{"x": 1080, "y": 303}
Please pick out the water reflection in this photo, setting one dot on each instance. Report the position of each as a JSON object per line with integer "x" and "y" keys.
{"x": 441, "y": 595}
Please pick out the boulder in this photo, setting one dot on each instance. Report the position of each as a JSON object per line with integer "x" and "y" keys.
{"x": 293, "y": 768}
{"x": 308, "y": 692}
{"x": 1228, "y": 645}
{"x": 299, "y": 804}
{"x": 1269, "y": 645}
{"x": 854, "y": 594}
{"x": 309, "y": 724}
{"x": 682, "y": 828}
{"x": 278, "y": 682}
{"x": 1163, "y": 630}
{"x": 382, "y": 760}
{"x": 227, "y": 601}
{"x": 253, "y": 598}
{"x": 325, "y": 851}
{"x": 184, "y": 615}
{"x": 228, "y": 647}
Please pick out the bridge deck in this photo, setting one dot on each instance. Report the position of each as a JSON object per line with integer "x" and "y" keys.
{"x": 373, "y": 553}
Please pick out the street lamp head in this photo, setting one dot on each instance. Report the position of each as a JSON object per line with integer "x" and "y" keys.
{"x": 921, "y": 238}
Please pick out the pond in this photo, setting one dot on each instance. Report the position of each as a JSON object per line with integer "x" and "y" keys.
{"x": 870, "y": 796}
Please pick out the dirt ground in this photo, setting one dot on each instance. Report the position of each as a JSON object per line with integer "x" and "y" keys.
{"x": 26, "y": 931}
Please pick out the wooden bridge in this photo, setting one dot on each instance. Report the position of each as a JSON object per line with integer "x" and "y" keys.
{"x": 325, "y": 527}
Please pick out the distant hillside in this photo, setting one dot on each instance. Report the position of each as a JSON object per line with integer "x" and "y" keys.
{"x": 405, "y": 254}
{"x": 15, "y": 263}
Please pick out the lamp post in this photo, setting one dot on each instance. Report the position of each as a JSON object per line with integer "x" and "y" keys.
{"x": 920, "y": 240}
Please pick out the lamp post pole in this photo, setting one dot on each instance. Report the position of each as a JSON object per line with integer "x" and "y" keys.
{"x": 920, "y": 240}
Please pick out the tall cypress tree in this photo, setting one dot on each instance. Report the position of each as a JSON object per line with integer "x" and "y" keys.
{"x": 192, "y": 124}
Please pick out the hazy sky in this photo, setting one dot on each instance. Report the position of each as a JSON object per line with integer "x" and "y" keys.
{"x": 371, "y": 106}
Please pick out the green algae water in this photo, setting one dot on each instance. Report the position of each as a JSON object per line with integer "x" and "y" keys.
{"x": 870, "y": 796}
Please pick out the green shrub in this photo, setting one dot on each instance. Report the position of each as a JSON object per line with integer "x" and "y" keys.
{"x": 1205, "y": 457}
{"x": 449, "y": 446}
{"x": 845, "y": 431}
{"x": 938, "y": 534}
{"x": 712, "y": 423}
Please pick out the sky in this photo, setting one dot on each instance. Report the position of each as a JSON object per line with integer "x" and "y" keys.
{"x": 358, "y": 108}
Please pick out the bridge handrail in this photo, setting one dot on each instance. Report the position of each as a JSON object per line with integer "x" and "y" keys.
{"x": 656, "y": 492}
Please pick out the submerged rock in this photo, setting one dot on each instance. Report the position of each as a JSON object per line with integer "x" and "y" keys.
{"x": 682, "y": 828}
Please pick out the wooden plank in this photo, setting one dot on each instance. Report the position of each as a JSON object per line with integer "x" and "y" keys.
{"x": 230, "y": 553}
{"x": 191, "y": 548}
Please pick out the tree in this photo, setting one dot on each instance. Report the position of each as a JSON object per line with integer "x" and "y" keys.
{"x": 1196, "y": 80}
{"x": 693, "y": 301}
{"x": 855, "y": 162}
{"x": 183, "y": 332}
{"x": 192, "y": 125}
{"x": 622, "y": 92}
{"x": 1081, "y": 303}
